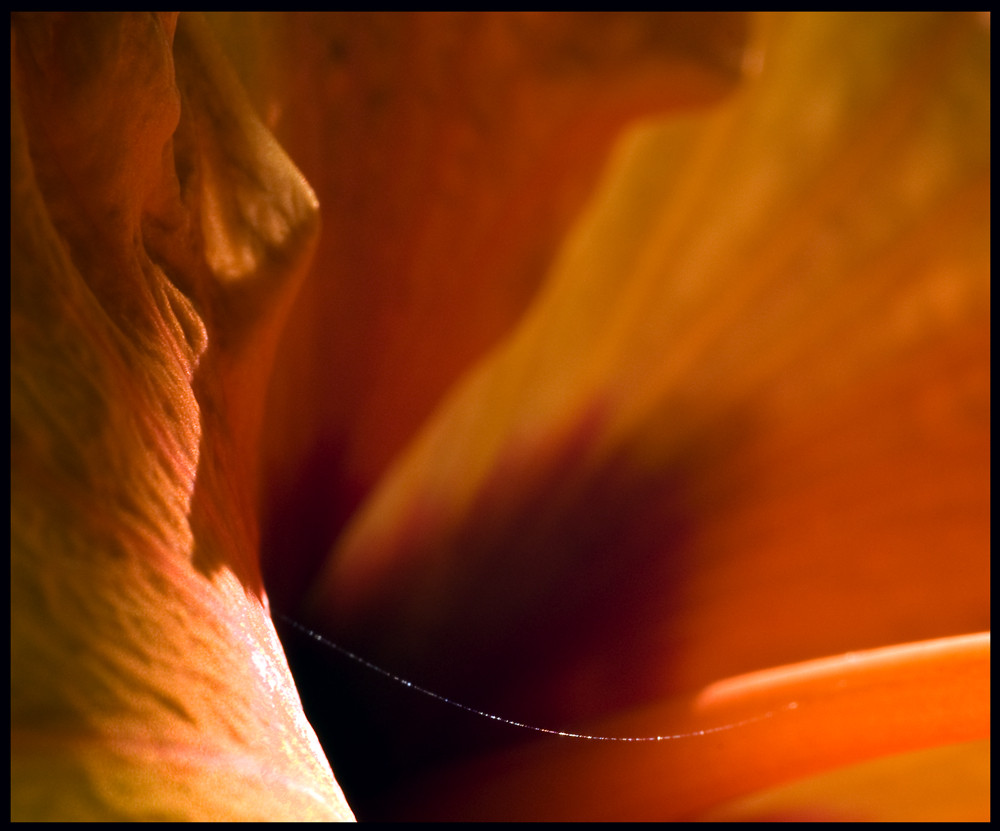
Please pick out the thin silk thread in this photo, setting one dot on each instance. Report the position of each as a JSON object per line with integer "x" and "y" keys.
{"x": 511, "y": 722}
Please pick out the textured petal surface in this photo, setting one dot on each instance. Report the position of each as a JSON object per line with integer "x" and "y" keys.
{"x": 154, "y": 231}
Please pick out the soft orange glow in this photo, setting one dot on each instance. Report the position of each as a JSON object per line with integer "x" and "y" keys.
{"x": 636, "y": 382}
{"x": 743, "y": 423}
{"x": 811, "y": 717}
{"x": 451, "y": 154}
{"x": 944, "y": 784}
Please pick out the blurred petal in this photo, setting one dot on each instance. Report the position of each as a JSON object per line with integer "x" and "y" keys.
{"x": 450, "y": 153}
{"x": 156, "y": 233}
{"x": 789, "y": 722}
{"x": 944, "y": 784}
{"x": 745, "y": 421}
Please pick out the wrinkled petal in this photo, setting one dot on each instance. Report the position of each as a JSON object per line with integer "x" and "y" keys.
{"x": 156, "y": 233}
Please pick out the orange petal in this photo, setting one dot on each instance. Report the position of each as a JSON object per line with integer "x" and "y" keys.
{"x": 944, "y": 784}
{"x": 758, "y": 374}
{"x": 745, "y": 421}
{"x": 450, "y": 153}
{"x": 788, "y": 722}
{"x": 148, "y": 264}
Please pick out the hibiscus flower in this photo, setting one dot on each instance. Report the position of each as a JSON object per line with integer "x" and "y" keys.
{"x": 636, "y": 385}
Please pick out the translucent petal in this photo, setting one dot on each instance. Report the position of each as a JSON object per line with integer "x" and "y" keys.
{"x": 745, "y": 421}
{"x": 815, "y": 716}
